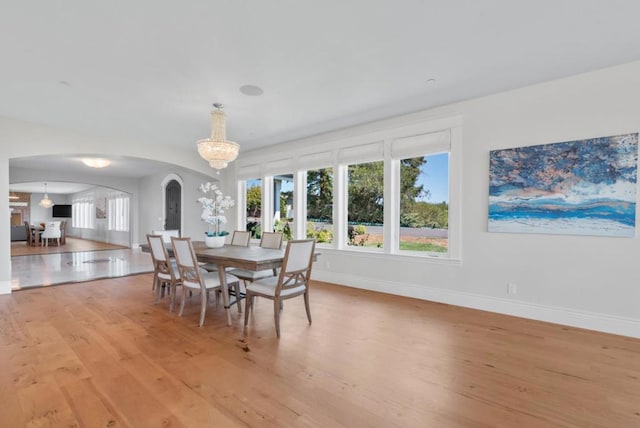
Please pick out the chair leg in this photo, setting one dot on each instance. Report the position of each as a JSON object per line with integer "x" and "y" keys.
{"x": 306, "y": 305}
{"x": 173, "y": 296}
{"x": 248, "y": 306}
{"x": 236, "y": 287}
{"x": 158, "y": 288}
{"x": 203, "y": 307}
{"x": 184, "y": 298}
{"x": 276, "y": 315}
{"x": 155, "y": 280}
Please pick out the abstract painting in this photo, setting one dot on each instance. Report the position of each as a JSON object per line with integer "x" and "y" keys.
{"x": 585, "y": 187}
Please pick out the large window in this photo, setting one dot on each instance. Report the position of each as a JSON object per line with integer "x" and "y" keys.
{"x": 283, "y": 212}
{"x": 320, "y": 205}
{"x": 253, "y": 200}
{"x": 83, "y": 212}
{"x": 118, "y": 213}
{"x": 365, "y": 204}
{"x": 424, "y": 203}
{"x": 394, "y": 194}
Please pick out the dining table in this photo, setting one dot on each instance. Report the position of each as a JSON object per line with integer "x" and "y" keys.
{"x": 233, "y": 256}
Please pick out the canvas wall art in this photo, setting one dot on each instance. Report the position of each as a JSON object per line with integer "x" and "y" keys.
{"x": 585, "y": 187}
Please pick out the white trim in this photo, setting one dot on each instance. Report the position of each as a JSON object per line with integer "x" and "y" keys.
{"x": 163, "y": 186}
{"x": 5, "y": 287}
{"x": 554, "y": 314}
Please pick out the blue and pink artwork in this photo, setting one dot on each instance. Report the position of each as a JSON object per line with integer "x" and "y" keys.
{"x": 585, "y": 187}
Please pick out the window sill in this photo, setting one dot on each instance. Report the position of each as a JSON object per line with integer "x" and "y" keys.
{"x": 400, "y": 257}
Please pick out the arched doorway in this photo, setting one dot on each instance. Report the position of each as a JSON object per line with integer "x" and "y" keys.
{"x": 173, "y": 205}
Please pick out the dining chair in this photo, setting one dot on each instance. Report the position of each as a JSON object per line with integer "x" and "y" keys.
{"x": 29, "y": 233}
{"x": 293, "y": 280}
{"x": 165, "y": 269}
{"x": 51, "y": 231}
{"x": 241, "y": 238}
{"x": 193, "y": 277}
{"x": 268, "y": 240}
{"x": 166, "y": 234}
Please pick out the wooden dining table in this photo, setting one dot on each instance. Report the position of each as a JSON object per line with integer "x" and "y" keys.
{"x": 251, "y": 258}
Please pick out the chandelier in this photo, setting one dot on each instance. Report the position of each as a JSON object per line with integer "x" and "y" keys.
{"x": 45, "y": 202}
{"x": 216, "y": 149}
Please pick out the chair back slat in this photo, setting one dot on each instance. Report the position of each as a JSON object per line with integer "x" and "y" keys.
{"x": 241, "y": 238}
{"x": 271, "y": 240}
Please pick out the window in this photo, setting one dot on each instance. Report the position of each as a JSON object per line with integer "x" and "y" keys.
{"x": 424, "y": 203}
{"x": 118, "y": 213}
{"x": 253, "y": 199}
{"x": 365, "y": 204}
{"x": 283, "y": 212}
{"x": 319, "y": 189}
{"x": 394, "y": 192}
{"x": 82, "y": 212}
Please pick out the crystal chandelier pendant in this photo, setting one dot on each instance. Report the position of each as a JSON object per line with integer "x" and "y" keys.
{"x": 217, "y": 150}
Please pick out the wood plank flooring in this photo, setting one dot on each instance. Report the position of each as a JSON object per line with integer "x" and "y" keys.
{"x": 20, "y": 248}
{"x": 101, "y": 354}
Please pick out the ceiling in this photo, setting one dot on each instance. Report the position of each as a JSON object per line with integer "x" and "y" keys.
{"x": 53, "y": 187}
{"x": 149, "y": 71}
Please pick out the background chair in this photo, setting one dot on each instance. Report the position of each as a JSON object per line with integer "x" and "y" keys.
{"x": 167, "y": 234}
{"x": 29, "y": 232}
{"x": 51, "y": 231}
{"x": 293, "y": 280}
{"x": 165, "y": 270}
{"x": 268, "y": 240}
{"x": 193, "y": 278}
{"x": 241, "y": 238}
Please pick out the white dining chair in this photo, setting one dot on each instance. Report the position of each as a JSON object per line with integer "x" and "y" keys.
{"x": 193, "y": 277}
{"x": 165, "y": 270}
{"x": 51, "y": 231}
{"x": 293, "y": 280}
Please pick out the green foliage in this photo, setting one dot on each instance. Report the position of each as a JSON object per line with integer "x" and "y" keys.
{"x": 424, "y": 214}
{"x": 320, "y": 194}
{"x": 256, "y": 231}
{"x": 366, "y": 189}
{"x": 254, "y": 201}
{"x": 422, "y": 246}
{"x": 320, "y": 235}
{"x": 284, "y": 228}
{"x": 358, "y": 235}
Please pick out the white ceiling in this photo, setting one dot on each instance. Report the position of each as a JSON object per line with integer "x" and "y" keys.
{"x": 149, "y": 70}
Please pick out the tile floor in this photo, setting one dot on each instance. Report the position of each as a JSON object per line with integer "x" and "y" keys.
{"x": 49, "y": 269}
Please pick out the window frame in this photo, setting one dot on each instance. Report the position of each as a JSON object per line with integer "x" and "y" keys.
{"x": 360, "y": 145}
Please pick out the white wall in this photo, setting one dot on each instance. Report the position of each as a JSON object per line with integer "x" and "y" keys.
{"x": 152, "y": 208}
{"x": 593, "y": 282}
{"x": 39, "y": 214}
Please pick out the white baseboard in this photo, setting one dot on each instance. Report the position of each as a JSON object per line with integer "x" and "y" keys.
{"x": 5, "y": 287}
{"x": 570, "y": 317}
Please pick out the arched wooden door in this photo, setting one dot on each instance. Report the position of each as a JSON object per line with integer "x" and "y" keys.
{"x": 172, "y": 207}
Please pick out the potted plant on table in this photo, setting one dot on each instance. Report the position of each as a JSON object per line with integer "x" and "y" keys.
{"x": 213, "y": 209}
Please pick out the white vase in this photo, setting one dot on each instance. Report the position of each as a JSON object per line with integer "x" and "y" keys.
{"x": 214, "y": 241}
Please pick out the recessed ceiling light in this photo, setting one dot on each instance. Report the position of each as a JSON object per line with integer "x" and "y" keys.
{"x": 430, "y": 81}
{"x": 96, "y": 162}
{"x": 251, "y": 90}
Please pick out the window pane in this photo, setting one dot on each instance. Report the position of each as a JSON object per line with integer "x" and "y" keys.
{"x": 424, "y": 203}
{"x": 283, "y": 205}
{"x": 253, "y": 199}
{"x": 320, "y": 205}
{"x": 365, "y": 184}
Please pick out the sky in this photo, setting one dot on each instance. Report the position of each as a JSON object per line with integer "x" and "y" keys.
{"x": 435, "y": 178}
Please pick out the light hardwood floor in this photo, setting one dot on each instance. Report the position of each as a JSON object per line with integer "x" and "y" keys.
{"x": 101, "y": 354}
{"x": 20, "y": 248}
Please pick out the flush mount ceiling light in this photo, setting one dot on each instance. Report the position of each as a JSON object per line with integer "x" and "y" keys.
{"x": 45, "y": 202}
{"x": 96, "y": 162}
{"x": 216, "y": 149}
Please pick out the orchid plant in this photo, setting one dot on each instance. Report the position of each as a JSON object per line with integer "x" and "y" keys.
{"x": 213, "y": 208}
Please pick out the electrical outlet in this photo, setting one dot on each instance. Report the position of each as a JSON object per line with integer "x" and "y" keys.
{"x": 512, "y": 288}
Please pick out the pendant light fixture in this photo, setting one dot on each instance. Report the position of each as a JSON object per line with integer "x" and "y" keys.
{"x": 45, "y": 202}
{"x": 216, "y": 149}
